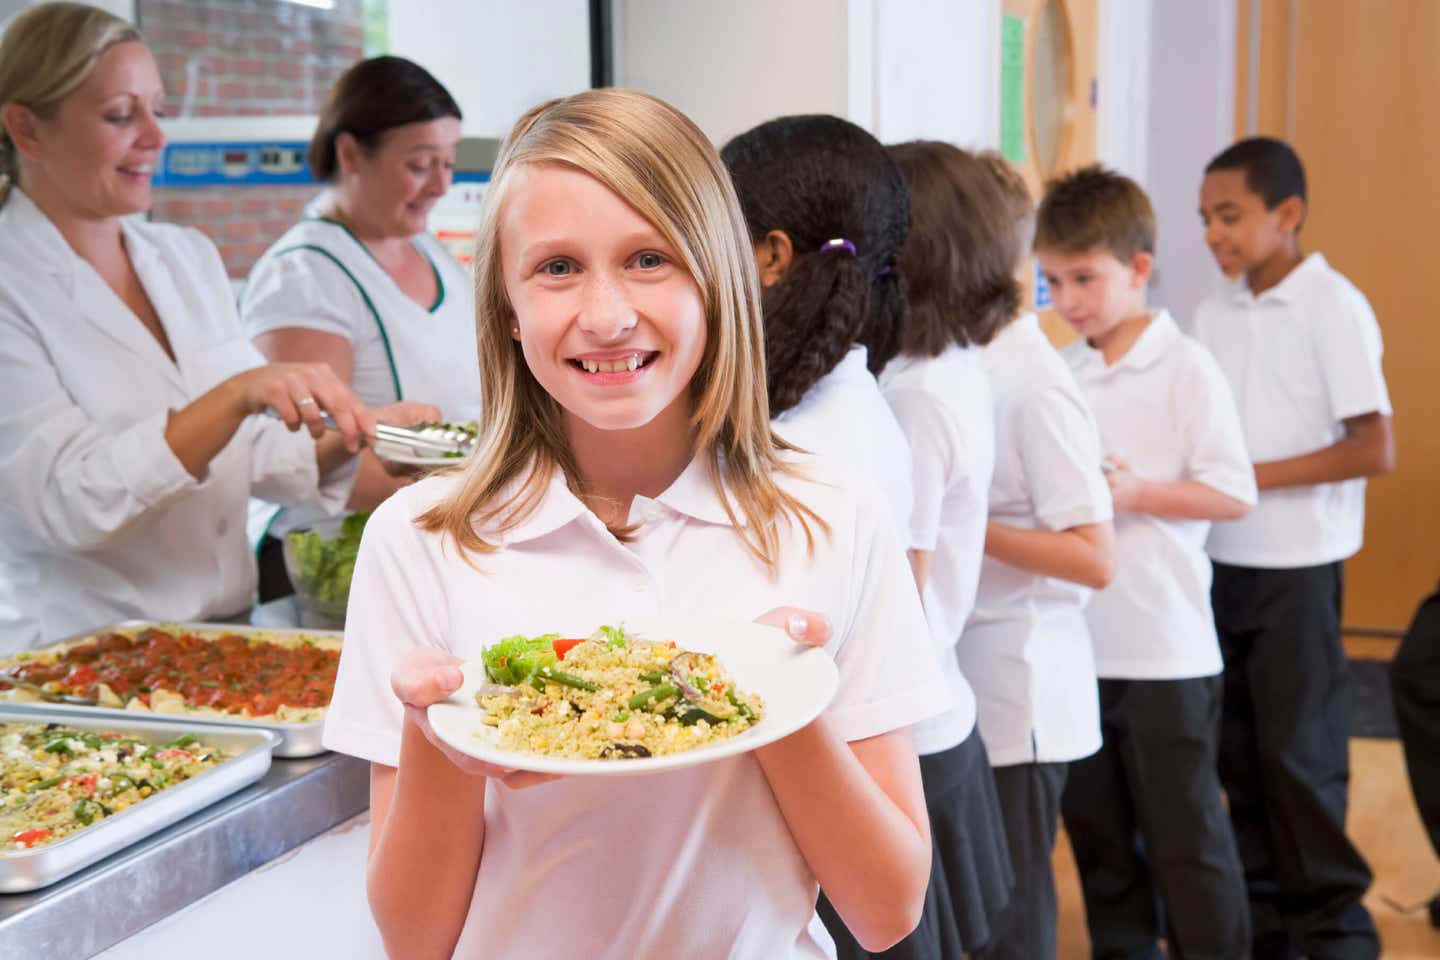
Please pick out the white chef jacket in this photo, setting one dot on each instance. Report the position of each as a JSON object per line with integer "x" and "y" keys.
{"x": 319, "y": 276}
{"x": 1302, "y": 357}
{"x": 99, "y": 521}
{"x": 943, "y": 404}
{"x": 1026, "y": 649}
{"x": 844, "y": 418}
{"x": 1166, "y": 410}
{"x": 695, "y": 863}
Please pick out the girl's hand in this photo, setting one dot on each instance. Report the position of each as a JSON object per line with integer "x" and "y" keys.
{"x": 429, "y": 676}
{"x": 803, "y": 626}
{"x": 302, "y": 393}
{"x": 1126, "y": 489}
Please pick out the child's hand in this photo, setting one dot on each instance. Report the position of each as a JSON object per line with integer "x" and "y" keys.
{"x": 803, "y": 626}
{"x": 1125, "y": 487}
{"x": 429, "y": 676}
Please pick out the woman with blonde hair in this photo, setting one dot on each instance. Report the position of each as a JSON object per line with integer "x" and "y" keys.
{"x": 131, "y": 431}
{"x": 627, "y": 467}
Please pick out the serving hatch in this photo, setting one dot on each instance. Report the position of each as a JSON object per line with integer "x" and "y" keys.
{"x": 298, "y": 737}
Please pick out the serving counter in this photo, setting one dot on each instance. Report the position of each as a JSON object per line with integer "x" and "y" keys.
{"x": 104, "y": 904}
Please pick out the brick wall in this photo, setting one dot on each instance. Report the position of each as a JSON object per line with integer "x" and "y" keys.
{"x": 243, "y": 221}
{"x": 246, "y": 58}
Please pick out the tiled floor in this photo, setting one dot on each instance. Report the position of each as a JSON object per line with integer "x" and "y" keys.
{"x": 1387, "y": 829}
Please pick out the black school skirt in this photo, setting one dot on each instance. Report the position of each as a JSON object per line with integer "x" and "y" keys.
{"x": 970, "y": 874}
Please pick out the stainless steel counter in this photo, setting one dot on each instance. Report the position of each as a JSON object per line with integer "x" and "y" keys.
{"x": 84, "y": 914}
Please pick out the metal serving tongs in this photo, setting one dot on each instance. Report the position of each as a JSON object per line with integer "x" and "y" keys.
{"x": 46, "y": 695}
{"x": 426, "y": 439}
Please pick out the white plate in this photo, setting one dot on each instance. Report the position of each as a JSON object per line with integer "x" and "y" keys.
{"x": 794, "y": 681}
{"x": 399, "y": 453}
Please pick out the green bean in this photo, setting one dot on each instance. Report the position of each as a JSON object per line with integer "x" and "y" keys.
{"x": 661, "y": 691}
{"x": 566, "y": 679}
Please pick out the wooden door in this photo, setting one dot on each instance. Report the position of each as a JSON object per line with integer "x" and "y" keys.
{"x": 1049, "y": 61}
{"x": 1356, "y": 88}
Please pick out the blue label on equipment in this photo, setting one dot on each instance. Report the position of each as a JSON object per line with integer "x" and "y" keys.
{"x": 1042, "y": 290}
{"x": 233, "y": 164}
{"x": 248, "y": 165}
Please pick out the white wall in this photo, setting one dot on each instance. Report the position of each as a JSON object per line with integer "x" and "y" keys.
{"x": 1123, "y": 134}
{"x": 731, "y": 65}
{"x": 1191, "y": 118}
{"x": 498, "y": 58}
{"x": 936, "y": 71}
{"x": 901, "y": 68}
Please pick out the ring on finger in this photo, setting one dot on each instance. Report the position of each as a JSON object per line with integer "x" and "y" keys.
{"x": 301, "y": 403}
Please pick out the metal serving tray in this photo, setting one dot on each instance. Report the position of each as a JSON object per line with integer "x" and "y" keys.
{"x": 296, "y": 739}
{"x": 24, "y": 870}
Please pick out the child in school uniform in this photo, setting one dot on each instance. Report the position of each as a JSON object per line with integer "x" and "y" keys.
{"x": 827, "y": 213}
{"x": 1301, "y": 349}
{"x": 940, "y": 392}
{"x": 628, "y": 468}
{"x": 1145, "y": 818}
{"x": 1048, "y": 544}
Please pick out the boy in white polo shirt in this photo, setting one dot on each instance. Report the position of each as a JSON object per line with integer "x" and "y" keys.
{"x": 1048, "y": 543}
{"x": 1144, "y": 815}
{"x": 1301, "y": 349}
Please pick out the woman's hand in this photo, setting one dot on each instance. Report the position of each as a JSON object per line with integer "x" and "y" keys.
{"x": 301, "y": 394}
{"x": 406, "y": 413}
{"x": 429, "y": 676}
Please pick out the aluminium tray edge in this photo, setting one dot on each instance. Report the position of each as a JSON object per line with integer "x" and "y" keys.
{"x": 296, "y": 739}
{"x": 25, "y": 870}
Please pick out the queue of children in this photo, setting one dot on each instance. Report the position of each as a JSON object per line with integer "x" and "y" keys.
{"x": 1006, "y": 549}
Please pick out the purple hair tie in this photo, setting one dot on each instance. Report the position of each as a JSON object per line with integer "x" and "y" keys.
{"x": 838, "y": 244}
{"x": 884, "y": 272}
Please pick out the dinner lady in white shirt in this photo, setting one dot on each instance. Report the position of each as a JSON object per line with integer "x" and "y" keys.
{"x": 130, "y": 401}
{"x": 359, "y": 284}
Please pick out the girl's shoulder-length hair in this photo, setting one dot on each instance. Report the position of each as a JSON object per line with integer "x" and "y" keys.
{"x": 656, "y": 160}
{"x": 971, "y": 226}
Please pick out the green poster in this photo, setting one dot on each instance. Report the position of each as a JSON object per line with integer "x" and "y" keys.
{"x": 1012, "y": 89}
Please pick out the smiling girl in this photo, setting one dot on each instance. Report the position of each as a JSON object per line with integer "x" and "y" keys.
{"x": 628, "y": 468}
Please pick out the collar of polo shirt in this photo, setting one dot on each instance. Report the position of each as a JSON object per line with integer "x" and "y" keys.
{"x": 692, "y": 494}
{"x": 1288, "y": 289}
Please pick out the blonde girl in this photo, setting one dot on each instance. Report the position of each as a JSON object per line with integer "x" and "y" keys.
{"x": 627, "y": 468}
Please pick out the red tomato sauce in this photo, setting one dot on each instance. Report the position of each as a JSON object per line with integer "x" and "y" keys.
{"x": 232, "y": 673}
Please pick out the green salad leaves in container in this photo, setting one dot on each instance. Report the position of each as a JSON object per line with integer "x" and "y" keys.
{"x": 321, "y": 561}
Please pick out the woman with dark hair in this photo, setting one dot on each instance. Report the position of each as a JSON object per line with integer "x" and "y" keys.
{"x": 828, "y": 212}
{"x": 359, "y": 284}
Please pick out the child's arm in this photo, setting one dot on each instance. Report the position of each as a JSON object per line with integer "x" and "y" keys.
{"x": 920, "y": 567}
{"x": 857, "y": 813}
{"x": 420, "y": 879}
{"x": 1181, "y": 500}
{"x": 1366, "y": 450}
{"x": 1083, "y": 554}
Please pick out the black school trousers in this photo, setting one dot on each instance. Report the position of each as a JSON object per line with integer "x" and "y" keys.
{"x": 1284, "y": 760}
{"x": 1147, "y": 823}
{"x": 1030, "y": 803}
{"x": 1415, "y": 682}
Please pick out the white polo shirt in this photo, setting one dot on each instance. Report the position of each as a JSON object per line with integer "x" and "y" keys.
{"x": 1026, "y": 649}
{"x": 843, "y": 418}
{"x": 695, "y": 863}
{"x": 943, "y": 404}
{"x": 1166, "y": 410}
{"x": 1301, "y": 358}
